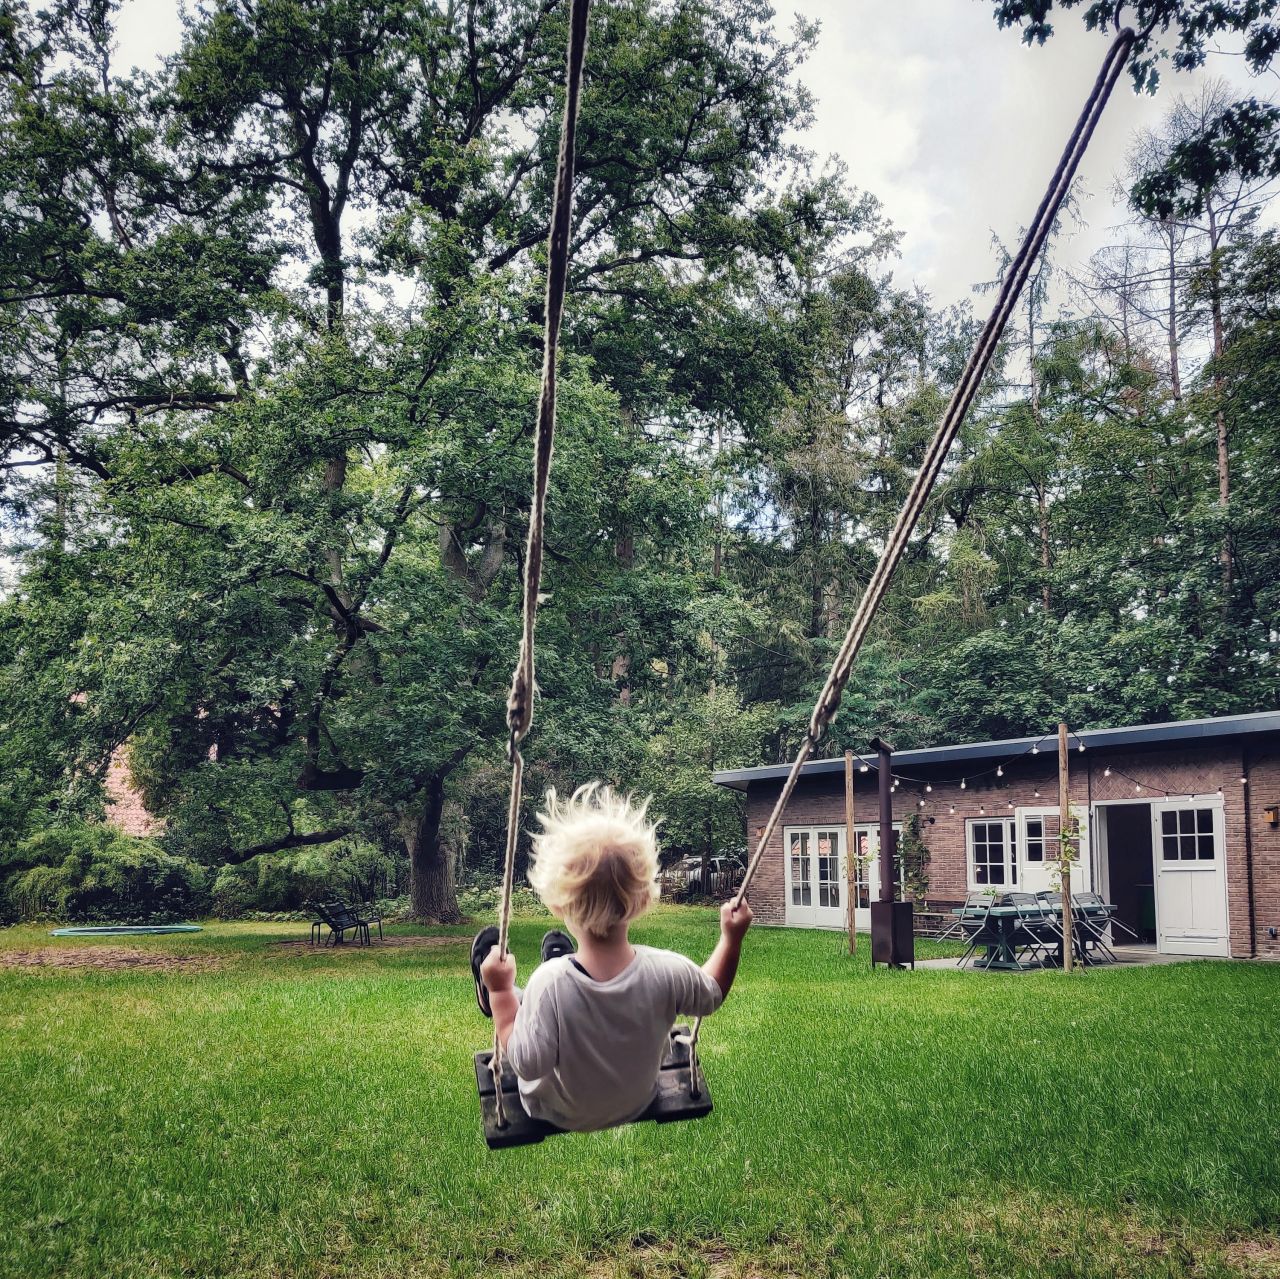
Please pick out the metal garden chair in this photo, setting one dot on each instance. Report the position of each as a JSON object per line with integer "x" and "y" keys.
{"x": 974, "y": 922}
{"x": 1039, "y": 932}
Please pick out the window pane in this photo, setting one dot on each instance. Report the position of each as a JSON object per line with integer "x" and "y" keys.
{"x": 1206, "y": 847}
{"x": 1187, "y": 844}
{"x": 1186, "y": 821}
{"x": 1204, "y": 820}
{"x": 1169, "y": 847}
{"x": 1169, "y": 822}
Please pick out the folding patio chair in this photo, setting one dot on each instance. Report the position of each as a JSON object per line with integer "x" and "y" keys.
{"x": 1096, "y": 904}
{"x": 1039, "y": 932}
{"x": 1093, "y": 917}
{"x": 974, "y": 919}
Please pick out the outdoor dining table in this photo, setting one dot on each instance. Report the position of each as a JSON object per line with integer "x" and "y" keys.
{"x": 1001, "y": 934}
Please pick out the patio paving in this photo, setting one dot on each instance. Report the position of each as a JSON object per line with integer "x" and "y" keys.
{"x": 1140, "y": 955}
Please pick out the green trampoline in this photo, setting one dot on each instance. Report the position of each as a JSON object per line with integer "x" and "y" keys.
{"x": 126, "y": 930}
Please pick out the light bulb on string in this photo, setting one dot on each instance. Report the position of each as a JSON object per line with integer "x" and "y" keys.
{"x": 953, "y": 808}
{"x": 1037, "y": 794}
{"x": 1080, "y": 747}
{"x": 1244, "y": 781}
{"x": 963, "y": 784}
{"x": 1136, "y": 788}
{"x": 1035, "y": 750}
{"x": 999, "y": 770}
{"x": 1106, "y": 772}
{"x": 927, "y": 786}
{"x": 982, "y": 808}
{"x": 920, "y": 802}
{"x": 864, "y": 767}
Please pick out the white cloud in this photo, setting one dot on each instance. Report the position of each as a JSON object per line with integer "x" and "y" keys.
{"x": 957, "y": 126}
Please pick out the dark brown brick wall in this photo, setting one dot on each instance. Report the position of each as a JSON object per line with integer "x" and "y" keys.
{"x": 1200, "y": 771}
{"x": 1264, "y": 790}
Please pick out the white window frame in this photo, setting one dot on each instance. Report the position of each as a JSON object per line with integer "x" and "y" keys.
{"x": 1010, "y": 860}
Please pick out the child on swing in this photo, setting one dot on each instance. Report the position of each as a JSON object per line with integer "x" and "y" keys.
{"x": 586, "y": 1036}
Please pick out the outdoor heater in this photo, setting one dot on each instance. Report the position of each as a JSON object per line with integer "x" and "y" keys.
{"x": 892, "y": 923}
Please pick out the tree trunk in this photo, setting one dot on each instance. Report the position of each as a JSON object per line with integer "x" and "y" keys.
{"x": 1220, "y": 417}
{"x": 1046, "y": 561}
{"x": 817, "y": 619}
{"x": 433, "y": 891}
{"x": 1175, "y": 375}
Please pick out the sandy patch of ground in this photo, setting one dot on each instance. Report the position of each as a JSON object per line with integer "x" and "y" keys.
{"x": 1254, "y": 1258}
{"x": 301, "y": 946}
{"x": 108, "y": 959}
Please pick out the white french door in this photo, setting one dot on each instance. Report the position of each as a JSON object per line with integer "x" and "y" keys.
{"x": 817, "y": 887}
{"x": 1191, "y": 878}
{"x": 815, "y": 876}
{"x": 1036, "y": 841}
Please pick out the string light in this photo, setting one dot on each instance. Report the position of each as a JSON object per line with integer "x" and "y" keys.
{"x": 1035, "y": 750}
{"x": 953, "y": 808}
{"x": 920, "y": 802}
{"x": 864, "y": 767}
{"x": 982, "y": 808}
{"x": 1136, "y": 788}
{"x": 1037, "y": 794}
{"x": 999, "y": 770}
{"x": 1244, "y": 781}
{"x": 1081, "y": 748}
{"x": 963, "y": 783}
{"x": 927, "y": 786}
{"x": 1106, "y": 772}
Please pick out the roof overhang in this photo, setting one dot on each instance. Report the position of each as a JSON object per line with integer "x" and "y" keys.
{"x": 1183, "y": 733}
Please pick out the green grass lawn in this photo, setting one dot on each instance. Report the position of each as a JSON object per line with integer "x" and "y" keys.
{"x": 285, "y": 1113}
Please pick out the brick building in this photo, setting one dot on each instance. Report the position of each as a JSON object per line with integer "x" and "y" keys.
{"x": 1180, "y": 828}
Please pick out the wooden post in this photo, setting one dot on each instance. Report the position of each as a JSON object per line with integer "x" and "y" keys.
{"x": 851, "y": 854}
{"x": 1064, "y": 848}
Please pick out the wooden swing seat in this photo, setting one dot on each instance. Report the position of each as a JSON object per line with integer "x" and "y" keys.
{"x": 679, "y": 1097}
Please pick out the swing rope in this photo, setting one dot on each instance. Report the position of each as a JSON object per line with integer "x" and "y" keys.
{"x": 523, "y": 683}
{"x": 962, "y": 398}
{"x": 520, "y": 702}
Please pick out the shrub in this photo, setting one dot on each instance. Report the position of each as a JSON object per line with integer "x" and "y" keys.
{"x": 272, "y": 885}
{"x": 80, "y": 871}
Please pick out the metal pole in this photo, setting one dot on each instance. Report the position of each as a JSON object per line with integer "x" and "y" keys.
{"x": 850, "y": 853}
{"x": 886, "y": 819}
{"x": 1064, "y": 848}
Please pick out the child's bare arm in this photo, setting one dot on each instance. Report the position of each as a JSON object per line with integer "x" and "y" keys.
{"x": 499, "y": 975}
{"x": 722, "y": 967}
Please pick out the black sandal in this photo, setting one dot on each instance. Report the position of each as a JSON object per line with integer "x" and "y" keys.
{"x": 485, "y": 940}
{"x": 557, "y": 943}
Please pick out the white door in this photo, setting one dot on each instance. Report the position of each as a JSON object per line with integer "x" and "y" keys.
{"x": 867, "y": 870}
{"x": 1191, "y": 878}
{"x": 1036, "y": 841}
{"x": 815, "y": 884}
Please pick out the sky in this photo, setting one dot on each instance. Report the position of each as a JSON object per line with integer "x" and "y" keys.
{"x": 957, "y": 126}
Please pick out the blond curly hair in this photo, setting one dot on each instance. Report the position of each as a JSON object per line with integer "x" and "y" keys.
{"x": 595, "y": 860}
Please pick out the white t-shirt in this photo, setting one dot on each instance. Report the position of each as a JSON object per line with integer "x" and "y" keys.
{"x": 588, "y": 1052}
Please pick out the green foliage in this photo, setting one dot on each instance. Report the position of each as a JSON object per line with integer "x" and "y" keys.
{"x": 267, "y": 504}
{"x": 1180, "y": 30}
{"x": 91, "y": 872}
{"x": 913, "y": 859}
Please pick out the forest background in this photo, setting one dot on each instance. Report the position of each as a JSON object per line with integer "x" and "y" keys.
{"x": 271, "y": 314}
